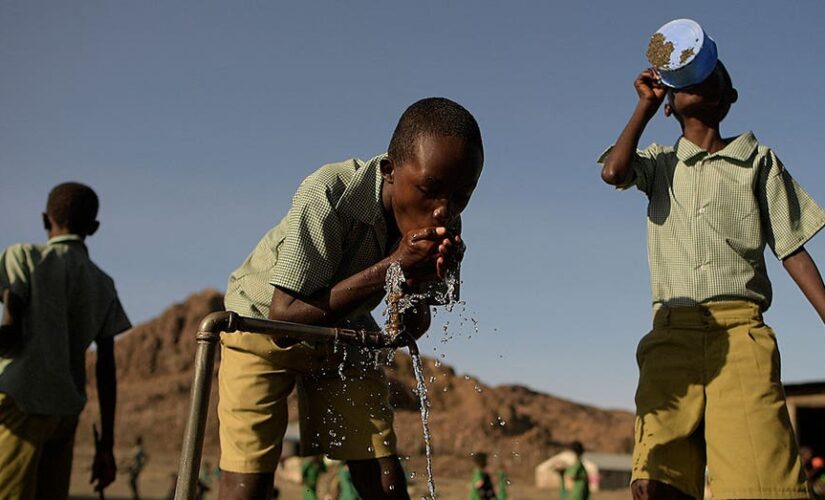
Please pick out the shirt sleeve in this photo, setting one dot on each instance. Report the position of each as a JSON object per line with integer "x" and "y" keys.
{"x": 790, "y": 217}
{"x": 312, "y": 249}
{"x": 643, "y": 165}
{"x": 15, "y": 274}
{"x": 116, "y": 320}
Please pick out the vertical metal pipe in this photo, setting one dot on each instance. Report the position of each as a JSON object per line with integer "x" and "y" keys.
{"x": 196, "y": 424}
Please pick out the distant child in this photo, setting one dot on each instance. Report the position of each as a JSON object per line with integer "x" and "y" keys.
{"x": 709, "y": 383}
{"x": 503, "y": 484}
{"x": 481, "y": 485}
{"x": 344, "y": 489}
{"x": 56, "y": 302}
{"x": 311, "y": 471}
{"x": 576, "y": 483}
{"x": 139, "y": 458}
{"x": 325, "y": 263}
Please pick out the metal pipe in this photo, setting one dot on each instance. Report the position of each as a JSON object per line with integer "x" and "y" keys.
{"x": 207, "y": 339}
{"x": 190, "y": 459}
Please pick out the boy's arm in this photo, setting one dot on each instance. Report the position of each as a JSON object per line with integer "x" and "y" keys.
{"x": 417, "y": 253}
{"x": 103, "y": 467}
{"x": 617, "y": 169}
{"x": 10, "y": 329}
{"x": 804, "y": 272}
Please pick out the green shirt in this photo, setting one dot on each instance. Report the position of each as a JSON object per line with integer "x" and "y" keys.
{"x": 481, "y": 486}
{"x": 69, "y": 303}
{"x": 334, "y": 229}
{"x": 310, "y": 474}
{"x": 581, "y": 487}
{"x": 346, "y": 487}
{"x": 711, "y": 215}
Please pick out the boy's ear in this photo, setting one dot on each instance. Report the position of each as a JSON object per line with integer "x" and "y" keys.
{"x": 93, "y": 227}
{"x": 47, "y": 223}
{"x": 668, "y": 109}
{"x": 734, "y": 96}
{"x": 387, "y": 168}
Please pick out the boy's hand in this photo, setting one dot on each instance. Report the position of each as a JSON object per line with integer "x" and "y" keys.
{"x": 104, "y": 469}
{"x": 419, "y": 251}
{"x": 650, "y": 88}
{"x": 450, "y": 254}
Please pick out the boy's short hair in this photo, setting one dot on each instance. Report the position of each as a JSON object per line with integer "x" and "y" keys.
{"x": 726, "y": 79}
{"x": 577, "y": 448}
{"x": 436, "y": 116}
{"x": 480, "y": 459}
{"x": 73, "y": 205}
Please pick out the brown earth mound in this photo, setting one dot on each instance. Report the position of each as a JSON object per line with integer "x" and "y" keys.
{"x": 519, "y": 426}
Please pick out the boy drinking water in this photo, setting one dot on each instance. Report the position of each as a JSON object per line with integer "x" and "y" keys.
{"x": 709, "y": 388}
{"x": 56, "y": 303}
{"x": 325, "y": 264}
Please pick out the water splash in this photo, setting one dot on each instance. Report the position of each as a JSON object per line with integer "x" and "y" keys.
{"x": 421, "y": 388}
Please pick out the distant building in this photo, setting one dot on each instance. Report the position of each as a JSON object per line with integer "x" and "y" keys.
{"x": 605, "y": 471}
{"x": 806, "y": 404}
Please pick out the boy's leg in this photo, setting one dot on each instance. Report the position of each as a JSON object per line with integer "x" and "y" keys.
{"x": 752, "y": 450}
{"x": 54, "y": 472}
{"x": 390, "y": 482}
{"x": 346, "y": 414}
{"x": 21, "y": 446}
{"x": 254, "y": 380}
{"x": 669, "y": 450}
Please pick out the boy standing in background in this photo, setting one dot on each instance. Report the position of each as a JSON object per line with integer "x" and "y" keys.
{"x": 56, "y": 302}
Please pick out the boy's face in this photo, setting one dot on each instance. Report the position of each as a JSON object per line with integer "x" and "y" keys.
{"x": 433, "y": 186}
{"x": 710, "y": 99}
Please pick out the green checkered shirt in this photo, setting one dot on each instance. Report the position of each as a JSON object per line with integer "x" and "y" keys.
{"x": 710, "y": 216}
{"x": 334, "y": 229}
{"x": 69, "y": 303}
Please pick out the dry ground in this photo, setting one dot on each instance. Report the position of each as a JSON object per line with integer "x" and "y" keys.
{"x": 155, "y": 483}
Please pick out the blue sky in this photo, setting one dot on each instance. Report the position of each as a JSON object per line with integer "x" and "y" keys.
{"x": 196, "y": 121}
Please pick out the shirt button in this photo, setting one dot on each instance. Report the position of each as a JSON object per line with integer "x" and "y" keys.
{"x": 701, "y": 210}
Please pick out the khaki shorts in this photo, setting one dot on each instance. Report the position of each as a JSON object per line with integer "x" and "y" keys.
{"x": 35, "y": 453}
{"x": 343, "y": 401}
{"x": 710, "y": 394}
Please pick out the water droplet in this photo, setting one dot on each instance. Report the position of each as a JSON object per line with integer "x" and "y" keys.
{"x": 412, "y": 475}
{"x": 370, "y": 449}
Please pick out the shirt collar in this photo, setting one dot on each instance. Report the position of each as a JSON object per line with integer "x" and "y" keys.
{"x": 740, "y": 149}
{"x": 68, "y": 239}
{"x": 362, "y": 197}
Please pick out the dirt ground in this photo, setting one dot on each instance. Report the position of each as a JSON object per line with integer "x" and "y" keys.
{"x": 156, "y": 483}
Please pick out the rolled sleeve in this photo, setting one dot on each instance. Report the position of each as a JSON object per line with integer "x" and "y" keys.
{"x": 790, "y": 216}
{"x": 312, "y": 249}
{"x": 15, "y": 272}
{"x": 643, "y": 165}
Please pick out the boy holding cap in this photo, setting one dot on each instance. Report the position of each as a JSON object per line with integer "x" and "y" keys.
{"x": 709, "y": 388}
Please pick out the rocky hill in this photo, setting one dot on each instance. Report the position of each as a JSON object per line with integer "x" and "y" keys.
{"x": 517, "y": 425}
